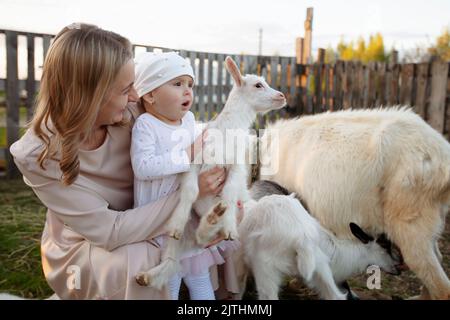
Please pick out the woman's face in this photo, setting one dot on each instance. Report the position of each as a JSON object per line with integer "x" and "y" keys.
{"x": 122, "y": 92}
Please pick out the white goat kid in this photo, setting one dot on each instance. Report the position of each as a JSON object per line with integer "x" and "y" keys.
{"x": 280, "y": 238}
{"x": 250, "y": 95}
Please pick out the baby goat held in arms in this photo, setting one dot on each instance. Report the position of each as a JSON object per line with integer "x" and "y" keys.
{"x": 280, "y": 238}
{"x": 250, "y": 95}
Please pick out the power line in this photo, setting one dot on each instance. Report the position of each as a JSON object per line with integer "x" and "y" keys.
{"x": 260, "y": 42}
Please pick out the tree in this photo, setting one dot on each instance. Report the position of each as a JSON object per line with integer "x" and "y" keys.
{"x": 442, "y": 46}
{"x": 373, "y": 51}
{"x": 360, "y": 49}
{"x": 330, "y": 55}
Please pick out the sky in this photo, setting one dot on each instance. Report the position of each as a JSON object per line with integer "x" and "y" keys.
{"x": 232, "y": 26}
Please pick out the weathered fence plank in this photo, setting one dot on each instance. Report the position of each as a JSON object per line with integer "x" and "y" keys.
{"x": 357, "y": 85}
{"x": 447, "y": 108}
{"x": 381, "y": 85}
{"x": 31, "y": 83}
{"x": 393, "y": 85}
{"x": 293, "y": 99}
{"x": 284, "y": 79}
{"x": 438, "y": 95}
{"x": 46, "y": 39}
{"x": 371, "y": 90}
{"x": 220, "y": 82}
{"x": 421, "y": 88}
{"x": 12, "y": 99}
{"x": 210, "y": 87}
{"x": 318, "y": 88}
{"x": 308, "y": 89}
{"x": 326, "y": 87}
{"x": 406, "y": 89}
{"x": 192, "y": 59}
{"x": 347, "y": 85}
{"x": 201, "y": 87}
{"x": 300, "y": 89}
{"x": 338, "y": 92}
{"x": 274, "y": 82}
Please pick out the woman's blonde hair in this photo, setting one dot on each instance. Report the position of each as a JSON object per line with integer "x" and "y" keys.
{"x": 78, "y": 73}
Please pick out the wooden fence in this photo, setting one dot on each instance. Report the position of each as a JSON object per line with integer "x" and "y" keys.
{"x": 343, "y": 85}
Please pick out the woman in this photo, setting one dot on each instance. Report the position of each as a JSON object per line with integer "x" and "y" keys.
{"x": 76, "y": 158}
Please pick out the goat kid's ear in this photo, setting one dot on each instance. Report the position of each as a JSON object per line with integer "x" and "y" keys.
{"x": 234, "y": 71}
{"x": 383, "y": 241}
{"x": 360, "y": 234}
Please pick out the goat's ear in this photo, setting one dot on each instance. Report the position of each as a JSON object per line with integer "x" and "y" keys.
{"x": 383, "y": 241}
{"x": 234, "y": 71}
{"x": 360, "y": 234}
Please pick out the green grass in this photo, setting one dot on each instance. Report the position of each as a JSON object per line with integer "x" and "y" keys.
{"x": 22, "y": 219}
{"x": 22, "y": 117}
{"x": 2, "y": 137}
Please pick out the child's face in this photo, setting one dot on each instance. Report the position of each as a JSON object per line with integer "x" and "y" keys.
{"x": 172, "y": 100}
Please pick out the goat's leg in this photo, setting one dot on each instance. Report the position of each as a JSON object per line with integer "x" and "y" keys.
{"x": 159, "y": 276}
{"x": 344, "y": 287}
{"x": 425, "y": 294}
{"x": 242, "y": 271}
{"x": 323, "y": 281}
{"x": 417, "y": 242}
{"x": 437, "y": 251}
{"x": 267, "y": 278}
{"x": 188, "y": 194}
{"x": 234, "y": 189}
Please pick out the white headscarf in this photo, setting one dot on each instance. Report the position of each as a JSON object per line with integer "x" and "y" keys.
{"x": 154, "y": 69}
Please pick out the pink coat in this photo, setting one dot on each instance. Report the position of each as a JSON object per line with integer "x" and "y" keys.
{"x": 93, "y": 242}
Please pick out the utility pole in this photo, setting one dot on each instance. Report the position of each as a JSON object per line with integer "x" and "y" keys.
{"x": 260, "y": 42}
{"x": 308, "y": 36}
{"x": 303, "y": 57}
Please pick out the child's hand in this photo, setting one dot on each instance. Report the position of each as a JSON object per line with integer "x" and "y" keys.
{"x": 211, "y": 182}
{"x": 197, "y": 146}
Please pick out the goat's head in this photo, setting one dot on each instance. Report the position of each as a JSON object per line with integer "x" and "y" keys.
{"x": 254, "y": 90}
{"x": 383, "y": 252}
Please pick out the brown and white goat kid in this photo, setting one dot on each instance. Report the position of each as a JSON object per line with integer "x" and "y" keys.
{"x": 250, "y": 95}
{"x": 280, "y": 238}
{"x": 386, "y": 170}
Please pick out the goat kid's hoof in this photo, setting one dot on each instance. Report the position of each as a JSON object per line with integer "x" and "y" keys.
{"x": 217, "y": 213}
{"x": 295, "y": 285}
{"x": 230, "y": 235}
{"x": 202, "y": 239}
{"x": 143, "y": 279}
{"x": 176, "y": 234}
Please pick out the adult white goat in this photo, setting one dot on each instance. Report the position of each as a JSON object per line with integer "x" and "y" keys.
{"x": 280, "y": 238}
{"x": 386, "y": 170}
{"x": 250, "y": 95}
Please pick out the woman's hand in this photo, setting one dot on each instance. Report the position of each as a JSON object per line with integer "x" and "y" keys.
{"x": 239, "y": 217}
{"x": 211, "y": 182}
{"x": 197, "y": 146}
